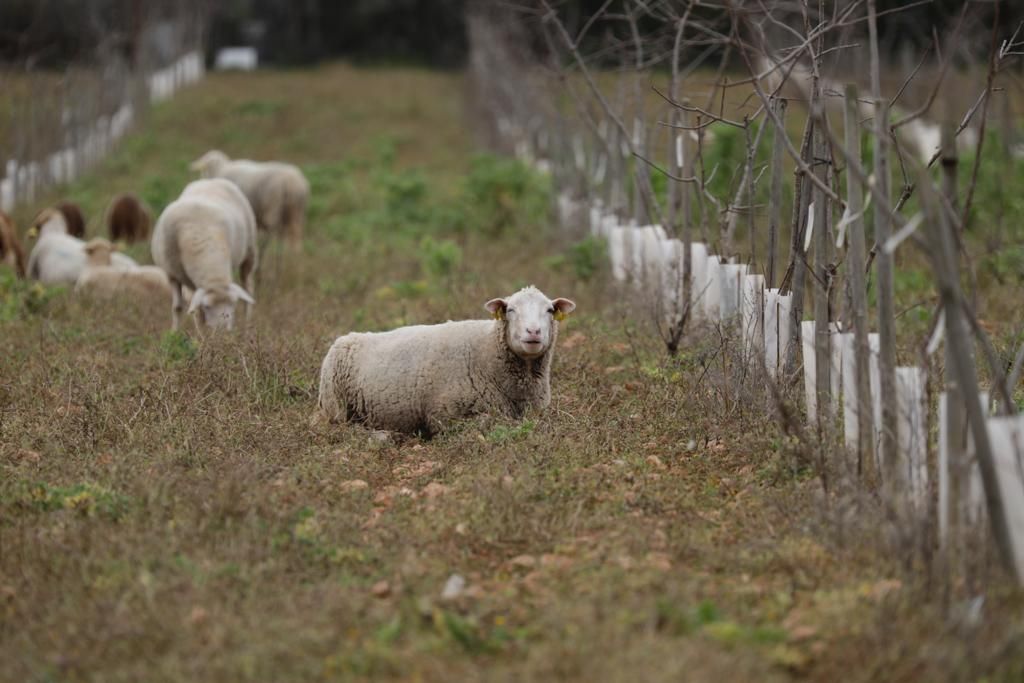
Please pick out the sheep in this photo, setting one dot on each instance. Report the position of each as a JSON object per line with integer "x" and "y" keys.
{"x": 103, "y": 279}
{"x": 11, "y": 252}
{"x": 128, "y": 219}
{"x": 58, "y": 258}
{"x": 278, "y": 192}
{"x": 415, "y": 379}
{"x": 199, "y": 240}
{"x": 74, "y": 218}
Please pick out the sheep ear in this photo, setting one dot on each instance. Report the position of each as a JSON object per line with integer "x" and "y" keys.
{"x": 496, "y": 307}
{"x": 240, "y": 293}
{"x": 563, "y": 307}
{"x": 197, "y": 300}
{"x": 196, "y": 165}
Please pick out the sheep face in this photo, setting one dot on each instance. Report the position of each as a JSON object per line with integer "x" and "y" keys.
{"x": 530, "y": 320}
{"x": 98, "y": 252}
{"x": 48, "y": 221}
{"x": 209, "y": 165}
{"x": 216, "y": 309}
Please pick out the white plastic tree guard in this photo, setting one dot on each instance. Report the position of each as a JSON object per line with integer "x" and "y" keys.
{"x": 911, "y": 434}
{"x": 241, "y": 58}
{"x": 652, "y": 260}
{"x": 851, "y": 407}
{"x": 966, "y": 474}
{"x": 698, "y": 276}
{"x": 777, "y": 308}
{"x": 609, "y": 222}
{"x": 752, "y": 315}
{"x": 712, "y": 287}
{"x": 810, "y": 377}
{"x": 731, "y": 278}
{"x": 671, "y": 277}
{"x": 617, "y": 250}
{"x": 807, "y": 339}
{"x": 875, "y": 376}
{"x": 1007, "y": 438}
{"x": 974, "y": 504}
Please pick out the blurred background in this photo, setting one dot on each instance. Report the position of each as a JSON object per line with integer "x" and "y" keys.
{"x": 296, "y": 32}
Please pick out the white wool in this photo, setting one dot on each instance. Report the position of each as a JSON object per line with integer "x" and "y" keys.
{"x": 278, "y": 192}
{"x": 200, "y": 240}
{"x": 420, "y": 377}
{"x": 58, "y": 258}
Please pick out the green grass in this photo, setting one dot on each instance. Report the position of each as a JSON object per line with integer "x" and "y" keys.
{"x": 167, "y": 512}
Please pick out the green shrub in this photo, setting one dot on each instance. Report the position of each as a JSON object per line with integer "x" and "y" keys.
{"x": 439, "y": 258}
{"x": 586, "y": 257}
{"x": 502, "y": 193}
{"x": 175, "y": 346}
{"x": 22, "y": 298}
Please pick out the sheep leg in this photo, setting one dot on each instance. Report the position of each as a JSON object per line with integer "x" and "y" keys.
{"x": 200, "y": 321}
{"x": 177, "y": 304}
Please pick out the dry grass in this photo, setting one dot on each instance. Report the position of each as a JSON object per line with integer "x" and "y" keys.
{"x": 166, "y": 512}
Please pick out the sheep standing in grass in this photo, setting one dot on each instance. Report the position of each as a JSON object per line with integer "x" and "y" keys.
{"x": 11, "y": 253}
{"x": 102, "y": 279}
{"x": 128, "y": 219}
{"x": 73, "y": 217}
{"x": 200, "y": 240}
{"x": 415, "y": 379}
{"x": 58, "y": 258}
{"x": 278, "y": 192}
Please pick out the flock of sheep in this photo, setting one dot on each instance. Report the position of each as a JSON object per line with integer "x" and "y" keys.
{"x": 199, "y": 241}
{"x": 412, "y": 379}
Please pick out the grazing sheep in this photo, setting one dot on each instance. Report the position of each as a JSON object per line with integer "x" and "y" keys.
{"x": 74, "y": 218}
{"x": 58, "y": 258}
{"x": 11, "y": 252}
{"x": 415, "y": 379}
{"x": 102, "y": 279}
{"x": 278, "y": 192}
{"x": 199, "y": 241}
{"x": 128, "y": 219}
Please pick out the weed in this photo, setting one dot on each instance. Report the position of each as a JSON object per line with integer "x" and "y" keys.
{"x": 502, "y": 434}
{"x": 439, "y": 258}
{"x": 177, "y": 347}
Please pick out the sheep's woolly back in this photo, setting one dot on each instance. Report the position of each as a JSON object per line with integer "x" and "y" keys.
{"x": 203, "y": 236}
{"x": 11, "y": 252}
{"x": 417, "y": 378}
{"x": 278, "y": 192}
{"x": 128, "y": 219}
{"x": 109, "y": 282}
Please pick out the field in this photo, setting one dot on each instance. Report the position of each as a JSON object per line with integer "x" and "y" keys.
{"x": 169, "y": 513}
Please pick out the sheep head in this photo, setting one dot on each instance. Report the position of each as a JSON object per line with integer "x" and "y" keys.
{"x": 531, "y": 320}
{"x": 210, "y": 164}
{"x": 98, "y": 251}
{"x": 48, "y": 221}
{"x": 216, "y": 306}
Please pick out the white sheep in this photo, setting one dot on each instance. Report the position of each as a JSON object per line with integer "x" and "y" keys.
{"x": 278, "y": 192}
{"x": 200, "y": 239}
{"x": 58, "y": 258}
{"x": 415, "y": 379}
{"x": 102, "y": 279}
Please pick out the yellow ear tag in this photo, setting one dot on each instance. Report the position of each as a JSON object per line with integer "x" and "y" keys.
{"x": 560, "y": 316}
{"x": 498, "y": 314}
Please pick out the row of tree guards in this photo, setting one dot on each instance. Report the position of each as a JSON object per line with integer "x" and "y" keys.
{"x": 59, "y": 133}
{"x": 869, "y": 422}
